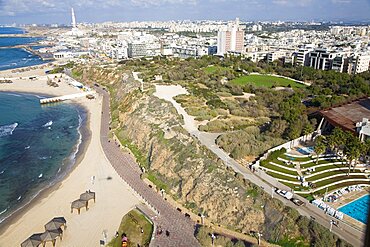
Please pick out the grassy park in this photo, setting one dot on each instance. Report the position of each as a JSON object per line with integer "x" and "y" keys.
{"x": 131, "y": 225}
{"x": 323, "y": 170}
{"x": 266, "y": 81}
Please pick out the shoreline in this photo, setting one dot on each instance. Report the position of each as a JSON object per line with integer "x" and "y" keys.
{"x": 114, "y": 197}
{"x": 44, "y": 190}
{"x": 26, "y": 47}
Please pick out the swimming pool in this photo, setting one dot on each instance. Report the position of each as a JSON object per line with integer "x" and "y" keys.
{"x": 306, "y": 150}
{"x": 358, "y": 209}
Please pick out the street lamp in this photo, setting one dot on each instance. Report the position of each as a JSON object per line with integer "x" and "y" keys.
{"x": 331, "y": 225}
{"x": 272, "y": 192}
{"x": 202, "y": 216}
{"x": 213, "y": 238}
{"x": 259, "y": 235}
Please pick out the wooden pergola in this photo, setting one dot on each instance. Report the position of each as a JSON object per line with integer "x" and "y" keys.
{"x": 51, "y": 236}
{"x": 78, "y": 204}
{"x": 87, "y": 196}
{"x": 33, "y": 241}
{"x": 55, "y": 223}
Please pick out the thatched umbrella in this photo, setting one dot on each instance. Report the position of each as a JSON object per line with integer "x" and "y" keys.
{"x": 51, "y": 236}
{"x": 33, "y": 241}
{"x": 87, "y": 196}
{"x": 78, "y": 204}
{"x": 55, "y": 223}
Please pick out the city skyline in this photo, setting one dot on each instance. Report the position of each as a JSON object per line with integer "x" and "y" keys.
{"x": 53, "y": 11}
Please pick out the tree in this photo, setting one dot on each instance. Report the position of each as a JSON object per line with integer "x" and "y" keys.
{"x": 320, "y": 147}
{"x": 308, "y": 128}
{"x": 353, "y": 150}
{"x": 337, "y": 139}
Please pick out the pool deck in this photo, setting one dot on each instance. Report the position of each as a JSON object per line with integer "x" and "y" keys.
{"x": 347, "y": 198}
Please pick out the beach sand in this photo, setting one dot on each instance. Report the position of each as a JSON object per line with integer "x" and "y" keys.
{"x": 113, "y": 197}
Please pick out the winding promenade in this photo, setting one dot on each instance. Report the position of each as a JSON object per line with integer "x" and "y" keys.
{"x": 181, "y": 229}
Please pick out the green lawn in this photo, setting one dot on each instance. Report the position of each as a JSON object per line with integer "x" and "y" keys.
{"x": 266, "y": 81}
{"x": 339, "y": 186}
{"x": 282, "y": 163}
{"x": 337, "y": 179}
{"x": 295, "y": 187}
{"x": 324, "y": 168}
{"x": 313, "y": 163}
{"x": 279, "y": 169}
{"x": 278, "y": 176}
{"x": 327, "y": 174}
{"x": 131, "y": 225}
{"x": 296, "y": 159}
{"x": 213, "y": 69}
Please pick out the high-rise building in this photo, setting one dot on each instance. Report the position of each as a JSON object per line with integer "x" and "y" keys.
{"x": 137, "y": 49}
{"x": 230, "y": 39}
{"x": 302, "y": 55}
{"x": 320, "y": 58}
{"x": 361, "y": 63}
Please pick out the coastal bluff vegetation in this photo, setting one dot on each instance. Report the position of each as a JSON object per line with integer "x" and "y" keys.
{"x": 250, "y": 119}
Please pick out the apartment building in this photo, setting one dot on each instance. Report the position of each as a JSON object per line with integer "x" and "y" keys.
{"x": 230, "y": 39}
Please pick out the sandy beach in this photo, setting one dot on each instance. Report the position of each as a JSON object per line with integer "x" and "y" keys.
{"x": 113, "y": 197}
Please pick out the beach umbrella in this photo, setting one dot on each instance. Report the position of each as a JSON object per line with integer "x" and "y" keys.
{"x": 78, "y": 204}
{"x": 33, "y": 241}
{"x": 87, "y": 196}
{"x": 51, "y": 236}
{"x": 55, "y": 223}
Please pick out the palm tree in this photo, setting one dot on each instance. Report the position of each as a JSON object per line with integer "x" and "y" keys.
{"x": 320, "y": 147}
{"x": 353, "y": 150}
{"x": 337, "y": 139}
{"x": 308, "y": 128}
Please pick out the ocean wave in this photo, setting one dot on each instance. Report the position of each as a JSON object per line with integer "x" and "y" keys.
{"x": 6, "y": 130}
{"x": 13, "y": 94}
{"x": 44, "y": 157}
{"x": 48, "y": 124}
{"x": 3, "y": 212}
{"x": 5, "y": 65}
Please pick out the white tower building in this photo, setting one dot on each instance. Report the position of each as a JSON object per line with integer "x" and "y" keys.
{"x": 74, "y": 25}
{"x": 75, "y": 31}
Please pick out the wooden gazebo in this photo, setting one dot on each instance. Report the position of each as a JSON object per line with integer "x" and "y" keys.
{"x": 51, "y": 236}
{"x": 87, "y": 196}
{"x": 78, "y": 204}
{"x": 55, "y": 223}
{"x": 32, "y": 241}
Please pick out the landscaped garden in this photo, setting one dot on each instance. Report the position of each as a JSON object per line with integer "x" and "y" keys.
{"x": 320, "y": 171}
{"x": 266, "y": 81}
{"x": 135, "y": 230}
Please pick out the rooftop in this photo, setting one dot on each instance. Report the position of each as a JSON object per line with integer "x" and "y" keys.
{"x": 346, "y": 116}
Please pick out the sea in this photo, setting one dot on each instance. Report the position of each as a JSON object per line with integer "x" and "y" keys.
{"x": 11, "y": 58}
{"x": 38, "y": 146}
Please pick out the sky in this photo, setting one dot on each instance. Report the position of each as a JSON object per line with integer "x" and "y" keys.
{"x": 58, "y": 11}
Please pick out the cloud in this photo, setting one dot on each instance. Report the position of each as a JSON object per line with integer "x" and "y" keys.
{"x": 148, "y": 3}
{"x": 292, "y": 2}
{"x": 340, "y": 1}
{"x": 11, "y": 7}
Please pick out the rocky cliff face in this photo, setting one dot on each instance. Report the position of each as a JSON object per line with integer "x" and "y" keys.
{"x": 189, "y": 172}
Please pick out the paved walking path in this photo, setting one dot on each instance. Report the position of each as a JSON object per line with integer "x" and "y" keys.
{"x": 181, "y": 229}
{"x": 346, "y": 232}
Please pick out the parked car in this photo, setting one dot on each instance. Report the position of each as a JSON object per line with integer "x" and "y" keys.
{"x": 286, "y": 194}
{"x": 297, "y": 202}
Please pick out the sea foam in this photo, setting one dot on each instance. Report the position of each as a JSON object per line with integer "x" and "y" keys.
{"x": 6, "y": 130}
